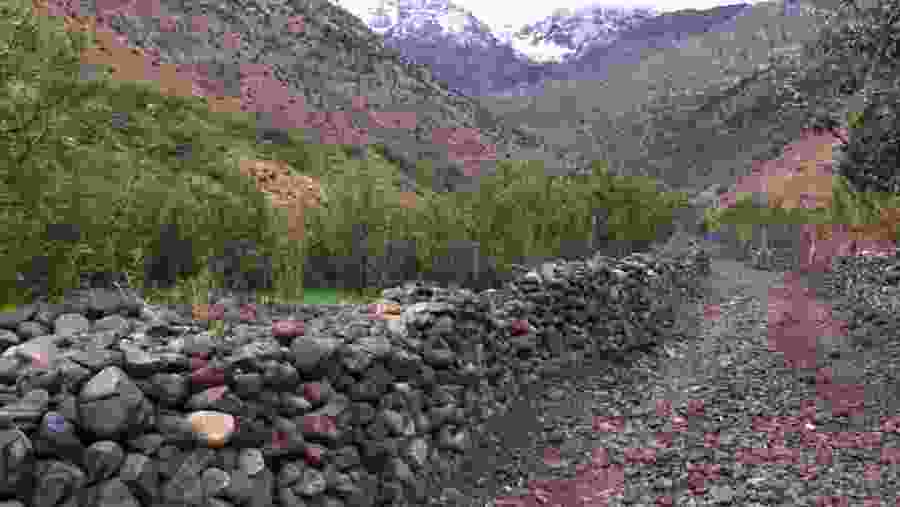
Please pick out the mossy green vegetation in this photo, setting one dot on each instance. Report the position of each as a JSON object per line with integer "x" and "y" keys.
{"x": 108, "y": 157}
{"x": 847, "y": 208}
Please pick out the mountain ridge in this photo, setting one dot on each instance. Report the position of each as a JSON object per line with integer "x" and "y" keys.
{"x": 338, "y": 60}
{"x": 656, "y": 116}
{"x": 333, "y": 62}
{"x": 583, "y": 42}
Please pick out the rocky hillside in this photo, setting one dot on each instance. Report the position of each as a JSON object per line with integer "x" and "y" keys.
{"x": 337, "y": 65}
{"x": 657, "y": 117}
{"x": 327, "y": 65}
{"x": 649, "y": 35}
{"x": 645, "y": 92}
{"x": 734, "y": 83}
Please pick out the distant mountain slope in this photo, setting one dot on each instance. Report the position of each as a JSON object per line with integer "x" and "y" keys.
{"x": 646, "y": 92}
{"x": 573, "y": 32}
{"x": 477, "y": 61}
{"x": 726, "y": 99}
{"x": 668, "y": 30}
{"x": 332, "y": 66}
{"x": 458, "y": 48}
{"x": 657, "y": 117}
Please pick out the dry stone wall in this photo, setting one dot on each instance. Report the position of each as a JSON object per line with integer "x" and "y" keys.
{"x": 106, "y": 401}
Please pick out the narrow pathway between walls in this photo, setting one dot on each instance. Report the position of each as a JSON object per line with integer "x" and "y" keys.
{"x": 744, "y": 407}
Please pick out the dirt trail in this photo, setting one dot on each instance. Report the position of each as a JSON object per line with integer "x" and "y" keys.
{"x": 556, "y": 413}
{"x": 734, "y": 325}
{"x": 724, "y": 342}
{"x": 736, "y": 297}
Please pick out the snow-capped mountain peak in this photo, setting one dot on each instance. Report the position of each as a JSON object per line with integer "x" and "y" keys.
{"x": 398, "y": 19}
{"x": 567, "y": 33}
{"x": 561, "y": 36}
{"x": 476, "y": 59}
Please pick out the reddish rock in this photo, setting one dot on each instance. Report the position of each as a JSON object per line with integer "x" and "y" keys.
{"x": 663, "y": 408}
{"x": 321, "y": 425}
{"x": 385, "y": 309}
{"x": 600, "y": 457}
{"x": 206, "y": 313}
{"x": 212, "y": 428}
{"x": 288, "y": 328}
{"x": 39, "y": 359}
{"x": 519, "y": 327}
{"x": 712, "y": 312}
{"x": 198, "y": 363}
{"x": 695, "y": 407}
{"x": 208, "y": 376}
{"x": 200, "y": 312}
{"x": 247, "y": 313}
{"x": 314, "y": 455}
{"x": 845, "y": 399}
{"x": 313, "y": 392}
{"x": 215, "y": 393}
{"x": 279, "y": 440}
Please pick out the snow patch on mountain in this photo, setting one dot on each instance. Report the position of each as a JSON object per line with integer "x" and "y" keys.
{"x": 561, "y": 36}
{"x": 568, "y": 33}
{"x": 476, "y": 59}
{"x": 428, "y": 19}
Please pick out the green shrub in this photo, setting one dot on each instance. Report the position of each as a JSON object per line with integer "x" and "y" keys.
{"x": 65, "y": 162}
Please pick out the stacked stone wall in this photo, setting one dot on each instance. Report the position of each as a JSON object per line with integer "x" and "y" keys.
{"x": 105, "y": 400}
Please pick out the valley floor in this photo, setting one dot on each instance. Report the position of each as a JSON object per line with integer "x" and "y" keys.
{"x": 721, "y": 380}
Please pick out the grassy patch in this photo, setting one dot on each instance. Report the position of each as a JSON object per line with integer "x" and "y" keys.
{"x": 335, "y": 296}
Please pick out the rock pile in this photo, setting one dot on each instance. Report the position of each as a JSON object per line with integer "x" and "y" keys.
{"x": 105, "y": 400}
{"x": 866, "y": 291}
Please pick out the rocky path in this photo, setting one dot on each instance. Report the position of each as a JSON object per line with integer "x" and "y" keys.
{"x": 721, "y": 415}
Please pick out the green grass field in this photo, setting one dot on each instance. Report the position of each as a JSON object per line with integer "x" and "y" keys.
{"x": 335, "y": 296}
{"x": 310, "y": 297}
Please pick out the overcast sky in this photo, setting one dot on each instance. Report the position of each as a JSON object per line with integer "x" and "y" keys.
{"x": 498, "y": 13}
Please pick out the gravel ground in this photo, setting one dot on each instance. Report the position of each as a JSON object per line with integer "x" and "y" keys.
{"x": 684, "y": 423}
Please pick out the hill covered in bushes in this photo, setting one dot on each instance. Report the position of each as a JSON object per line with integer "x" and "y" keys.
{"x": 95, "y": 169}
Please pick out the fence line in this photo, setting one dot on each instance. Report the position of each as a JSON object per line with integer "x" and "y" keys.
{"x": 461, "y": 263}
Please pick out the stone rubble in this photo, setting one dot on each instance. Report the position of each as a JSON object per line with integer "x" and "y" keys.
{"x": 866, "y": 294}
{"x": 108, "y": 401}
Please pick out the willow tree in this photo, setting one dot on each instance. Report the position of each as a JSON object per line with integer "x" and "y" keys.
{"x": 862, "y": 213}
